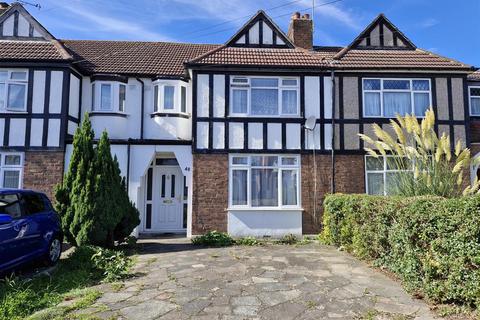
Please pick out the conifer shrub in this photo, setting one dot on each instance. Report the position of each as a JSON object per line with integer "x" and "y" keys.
{"x": 92, "y": 199}
{"x": 431, "y": 243}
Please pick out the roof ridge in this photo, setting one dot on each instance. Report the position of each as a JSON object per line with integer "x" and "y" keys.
{"x": 206, "y": 54}
{"x": 139, "y": 41}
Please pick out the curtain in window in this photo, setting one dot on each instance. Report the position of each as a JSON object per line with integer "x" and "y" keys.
{"x": 289, "y": 101}
{"x": 422, "y": 102}
{"x": 264, "y": 102}
{"x": 11, "y": 179}
{"x": 16, "y": 96}
{"x": 396, "y": 102}
{"x": 239, "y": 101}
{"x": 239, "y": 187}
{"x": 289, "y": 187}
{"x": 475, "y": 105}
{"x": 375, "y": 183}
{"x": 372, "y": 104}
{"x": 264, "y": 187}
{"x": 168, "y": 93}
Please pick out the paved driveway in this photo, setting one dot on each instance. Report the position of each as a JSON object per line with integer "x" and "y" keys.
{"x": 179, "y": 281}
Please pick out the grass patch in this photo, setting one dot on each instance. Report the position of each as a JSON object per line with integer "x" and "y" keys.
{"x": 19, "y": 298}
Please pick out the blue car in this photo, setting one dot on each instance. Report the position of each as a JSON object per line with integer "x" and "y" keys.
{"x": 30, "y": 229}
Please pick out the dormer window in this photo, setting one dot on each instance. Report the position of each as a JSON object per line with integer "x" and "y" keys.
{"x": 13, "y": 90}
{"x": 108, "y": 96}
{"x": 169, "y": 98}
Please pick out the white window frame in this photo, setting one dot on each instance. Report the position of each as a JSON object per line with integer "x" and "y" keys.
{"x": 384, "y": 172}
{"x": 4, "y": 167}
{"x": 114, "y": 96}
{"x": 248, "y": 167}
{"x": 247, "y": 87}
{"x": 7, "y": 84}
{"x": 470, "y": 97}
{"x": 381, "y": 91}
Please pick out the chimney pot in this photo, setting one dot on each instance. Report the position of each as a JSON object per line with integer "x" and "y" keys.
{"x": 300, "y": 31}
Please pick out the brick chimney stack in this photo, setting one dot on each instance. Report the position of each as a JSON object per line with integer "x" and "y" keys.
{"x": 300, "y": 30}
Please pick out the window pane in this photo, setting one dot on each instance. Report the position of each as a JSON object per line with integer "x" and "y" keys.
{"x": 106, "y": 97}
{"x": 264, "y": 82}
{"x": 2, "y": 95}
{"x": 374, "y": 163}
{"x": 289, "y": 101}
{"x": 289, "y": 82}
{"x": 264, "y": 102}
{"x": 396, "y": 84}
{"x": 16, "y": 96}
{"x": 375, "y": 183}
{"x": 421, "y": 85}
{"x": 10, "y": 205}
{"x": 11, "y": 179}
{"x": 265, "y": 161}
{"x": 391, "y": 182}
{"x": 93, "y": 96}
{"x": 239, "y": 101}
{"x": 239, "y": 160}
{"x": 183, "y": 104}
{"x": 475, "y": 105}
{"x": 34, "y": 203}
{"x": 371, "y": 84}
{"x": 240, "y": 80}
{"x": 422, "y": 102}
{"x": 3, "y": 75}
{"x": 475, "y": 92}
{"x": 289, "y": 161}
{"x": 121, "y": 98}
{"x": 12, "y": 160}
{"x": 372, "y": 104}
{"x": 155, "y": 98}
{"x": 264, "y": 187}
{"x": 396, "y": 102}
{"x": 397, "y": 163}
{"x": 168, "y": 93}
{"x": 289, "y": 187}
{"x": 239, "y": 187}
{"x": 18, "y": 75}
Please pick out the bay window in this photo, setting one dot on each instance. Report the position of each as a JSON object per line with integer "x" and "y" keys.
{"x": 264, "y": 96}
{"x": 167, "y": 99}
{"x": 264, "y": 181}
{"x": 108, "y": 96}
{"x": 389, "y": 97}
{"x": 13, "y": 90}
{"x": 381, "y": 172}
{"x": 11, "y": 167}
{"x": 474, "y": 97}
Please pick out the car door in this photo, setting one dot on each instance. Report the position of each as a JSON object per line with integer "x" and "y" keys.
{"x": 33, "y": 225}
{"x": 11, "y": 246}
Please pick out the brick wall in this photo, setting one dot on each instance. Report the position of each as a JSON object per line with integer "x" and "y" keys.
{"x": 210, "y": 193}
{"x": 43, "y": 170}
{"x": 349, "y": 178}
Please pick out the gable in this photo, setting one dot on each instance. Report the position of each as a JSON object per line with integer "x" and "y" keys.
{"x": 17, "y": 23}
{"x": 260, "y": 31}
{"x": 381, "y": 33}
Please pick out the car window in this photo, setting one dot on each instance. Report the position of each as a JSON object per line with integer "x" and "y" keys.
{"x": 10, "y": 205}
{"x": 33, "y": 203}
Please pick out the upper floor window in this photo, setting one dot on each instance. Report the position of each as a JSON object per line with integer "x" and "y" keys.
{"x": 165, "y": 98}
{"x": 108, "y": 96}
{"x": 11, "y": 166}
{"x": 13, "y": 90}
{"x": 389, "y": 97}
{"x": 264, "y": 96}
{"x": 474, "y": 94}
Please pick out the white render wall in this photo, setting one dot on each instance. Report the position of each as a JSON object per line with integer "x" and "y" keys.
{"x": 261, "y": 223}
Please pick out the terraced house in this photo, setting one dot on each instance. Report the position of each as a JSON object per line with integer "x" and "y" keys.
{"x": 246, "y": 136}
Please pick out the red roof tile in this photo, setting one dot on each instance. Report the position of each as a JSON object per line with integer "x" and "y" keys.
{"x": 475, "y": 76}
{"x": 134, "y": 57}
{"x": 31, "y": 50}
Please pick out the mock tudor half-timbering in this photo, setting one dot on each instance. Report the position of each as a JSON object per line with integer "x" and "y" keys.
{"x": 245, "y": 137}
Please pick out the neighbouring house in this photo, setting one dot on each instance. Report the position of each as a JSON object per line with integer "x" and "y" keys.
{"x": 245, "y": 137}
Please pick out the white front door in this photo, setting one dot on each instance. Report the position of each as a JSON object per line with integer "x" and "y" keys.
{"x": 167, "y": 213}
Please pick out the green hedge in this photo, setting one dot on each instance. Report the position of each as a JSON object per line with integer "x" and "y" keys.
{"x": 432, "y": 244}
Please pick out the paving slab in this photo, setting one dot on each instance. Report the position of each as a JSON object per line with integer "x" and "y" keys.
{"x": 176, "y": 280}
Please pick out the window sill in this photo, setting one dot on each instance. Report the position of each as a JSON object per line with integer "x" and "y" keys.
{"x": 14, "y": 111}
{"x": 170, "y": 115}
{"x": 265, "y": 209}
{"x": 108, "y": 114}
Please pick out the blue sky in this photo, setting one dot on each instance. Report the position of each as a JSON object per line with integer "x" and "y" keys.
{"x": 450, "y": 28}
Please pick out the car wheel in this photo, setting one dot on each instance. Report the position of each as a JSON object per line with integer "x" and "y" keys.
{"x": 54, "y": 251}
